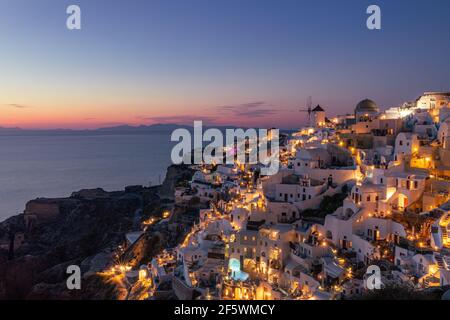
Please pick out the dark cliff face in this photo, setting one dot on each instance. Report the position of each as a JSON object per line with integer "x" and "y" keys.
{"x": 84, "y": 228}
{"x": 176, "y": 174}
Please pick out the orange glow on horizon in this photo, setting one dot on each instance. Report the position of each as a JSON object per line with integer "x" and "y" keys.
{"x": 50, "y": 120}
{"x": 81, "y": 115}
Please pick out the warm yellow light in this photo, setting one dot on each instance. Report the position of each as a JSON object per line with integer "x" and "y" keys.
{"x": 142, "y": 274}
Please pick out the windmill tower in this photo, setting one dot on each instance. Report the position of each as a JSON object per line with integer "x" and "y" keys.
{"x": 308, "y": 109}
{"x": 319, "y": 117}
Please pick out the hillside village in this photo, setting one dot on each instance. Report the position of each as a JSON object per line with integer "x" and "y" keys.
{"x": 364, "y": 189}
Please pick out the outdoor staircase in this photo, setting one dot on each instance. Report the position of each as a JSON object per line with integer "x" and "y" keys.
{"x": 426, "y": 282}
{"x": 440, "y": 261}
{"x": 443, "y": 262}
{"x": 447, "y": 262}
{"x": 430, "y": 281}
{"x": 444, "y": 225}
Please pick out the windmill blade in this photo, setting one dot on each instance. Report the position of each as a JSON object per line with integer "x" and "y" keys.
{"x": 308, "y": 109}
{"x": 309, "y": 105}
{"x": 309, "y": 102}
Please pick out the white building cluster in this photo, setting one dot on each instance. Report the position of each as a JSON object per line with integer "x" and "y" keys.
{"x": 370, "y": 188}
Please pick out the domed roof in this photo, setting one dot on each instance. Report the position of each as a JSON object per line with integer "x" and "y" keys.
{"x": 366, "y": 105}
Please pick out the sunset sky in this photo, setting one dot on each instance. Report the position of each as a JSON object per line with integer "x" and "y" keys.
{"x": 240, "y": 62}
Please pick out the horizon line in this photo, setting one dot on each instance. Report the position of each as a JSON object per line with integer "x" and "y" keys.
{"x": 131, "y": 126}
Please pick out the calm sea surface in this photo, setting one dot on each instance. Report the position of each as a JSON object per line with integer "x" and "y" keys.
{"x": 55, "y": 166}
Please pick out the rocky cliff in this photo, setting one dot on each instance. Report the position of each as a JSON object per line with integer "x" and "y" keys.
{"x": 176, "y": 175}
{"x": 83, "y": 229}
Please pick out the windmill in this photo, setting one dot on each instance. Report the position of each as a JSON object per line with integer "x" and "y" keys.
{"x": 308, "y": 109}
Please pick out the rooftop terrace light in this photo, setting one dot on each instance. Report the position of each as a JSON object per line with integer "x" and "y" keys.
{"x": 142, "y": 274}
